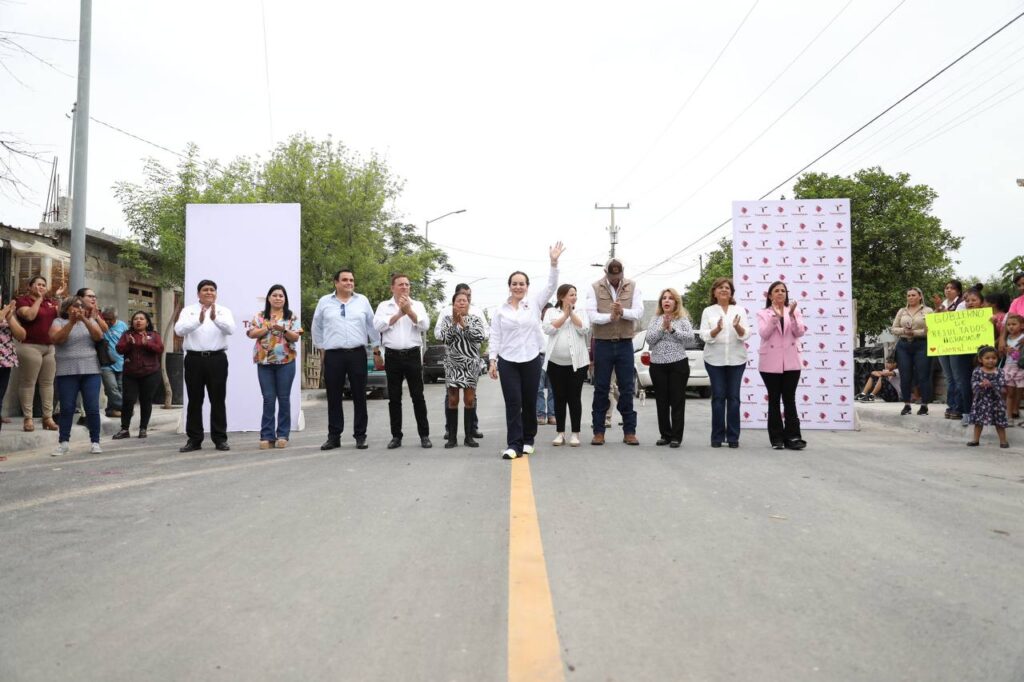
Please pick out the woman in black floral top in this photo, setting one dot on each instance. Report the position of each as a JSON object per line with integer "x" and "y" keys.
{"x": 667, "y": 336}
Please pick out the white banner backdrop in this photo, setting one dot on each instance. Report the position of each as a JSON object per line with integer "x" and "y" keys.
{"x": 805, "y": 244}
{"x": 245, "y": 249}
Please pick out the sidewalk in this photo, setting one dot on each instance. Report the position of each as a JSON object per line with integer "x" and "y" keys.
{"x": 887, "y": 415}
{"x": 13, "y": 440}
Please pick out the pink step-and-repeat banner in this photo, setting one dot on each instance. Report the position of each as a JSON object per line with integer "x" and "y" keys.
{"x": 805, "y": 244}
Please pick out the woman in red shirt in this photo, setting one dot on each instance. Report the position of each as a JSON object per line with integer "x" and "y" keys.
{"x": 141, "y": 348}
{"x": 36, "y": 311}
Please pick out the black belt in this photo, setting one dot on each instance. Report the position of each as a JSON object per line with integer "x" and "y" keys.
{"x": 403, "y": 351}
{"x": 614, "y": 340}
{"x": 206, "y": 353}
{"x": 347, "y": 350}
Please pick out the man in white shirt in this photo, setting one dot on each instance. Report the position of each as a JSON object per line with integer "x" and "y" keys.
{"x": 615, "y": 307}
{"x": 401, "y": 321}
{"x": 206, "y": 328}
{"x": 446, "y": 314}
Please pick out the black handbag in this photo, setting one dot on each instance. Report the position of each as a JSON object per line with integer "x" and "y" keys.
{"x": 103, "y": 353}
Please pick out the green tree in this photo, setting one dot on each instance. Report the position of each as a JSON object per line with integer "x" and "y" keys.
{"x": 346, "y": 220}
{"x": 896, "y": 242}
{"x": 698, "y": 293}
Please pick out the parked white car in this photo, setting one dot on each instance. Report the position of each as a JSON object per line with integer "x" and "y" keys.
{"x": 699, "y": 380}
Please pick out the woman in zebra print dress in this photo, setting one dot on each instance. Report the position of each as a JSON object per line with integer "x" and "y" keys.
{"x": 462, "y": 334}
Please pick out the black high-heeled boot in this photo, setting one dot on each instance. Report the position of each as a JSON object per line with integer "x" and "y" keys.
{"x": 469, "y": 416}
{"x": 451, "y": 420}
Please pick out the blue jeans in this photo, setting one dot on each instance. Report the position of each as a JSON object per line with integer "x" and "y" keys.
{"x": 545, "y": 405}
{"x": 725, "y": 401}
{"x": 68, "y": 389}
{"x": 113, "y": 386}
{"x": 617, "y": 355}
{"x": 963, "y": 366}
{"x": 952, "y": 386}
{"x": 276, "y": 386}
{"x": 915, "y": 368}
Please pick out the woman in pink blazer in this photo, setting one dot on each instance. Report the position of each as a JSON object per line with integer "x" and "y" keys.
{"x": 780, "y": 326}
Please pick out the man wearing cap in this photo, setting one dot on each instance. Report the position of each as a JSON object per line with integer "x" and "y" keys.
{"x": 615, "y": 307}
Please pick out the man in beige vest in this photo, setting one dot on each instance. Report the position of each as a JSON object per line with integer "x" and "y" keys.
{"x": 615, "y": 306}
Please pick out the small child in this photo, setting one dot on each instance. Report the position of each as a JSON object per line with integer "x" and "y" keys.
{"x": 877, "y": 384}
{"x": 989, "y": 405}
{"x": 1011, "y": 369}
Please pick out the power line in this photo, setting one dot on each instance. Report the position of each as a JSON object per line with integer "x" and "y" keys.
{"x": 771, "y": 125}
{"x": 36, "y": 35}
{"x": 266, "y": 72}
{"x": 686, "y": 102}
{"x": 752, "y": 102}
{"x": 140, "y": 139}
{"x": 851, "y": 135}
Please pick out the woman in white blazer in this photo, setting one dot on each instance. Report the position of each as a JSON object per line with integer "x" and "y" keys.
{"x": 724, "y": 327}
{"x": 568, "y": 356}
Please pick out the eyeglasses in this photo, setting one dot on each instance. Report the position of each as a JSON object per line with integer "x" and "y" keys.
{"x": 342, "y": 309}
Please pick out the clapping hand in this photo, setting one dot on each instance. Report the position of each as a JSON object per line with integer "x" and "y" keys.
{"x": 985, "y": 383}
{"x": 736, "y": 324}
{"x": 213, "y": 311}
{"x": 62, "y": 290}
{"x": 616, "y": 310}
{"x": 721, "y": 324}
{"x": 666, "y": 322}
{"x": 792, "y": 309}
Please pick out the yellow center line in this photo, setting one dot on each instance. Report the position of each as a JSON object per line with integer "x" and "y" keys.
{"x": 533, "y": 650}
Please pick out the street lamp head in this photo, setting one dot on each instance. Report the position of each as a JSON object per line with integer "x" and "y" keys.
{"x": 1020, "y": 182}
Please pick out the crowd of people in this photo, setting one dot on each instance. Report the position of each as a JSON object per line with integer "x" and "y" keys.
{"x": 73, "y": 344}
{"x": 983, "y": 388}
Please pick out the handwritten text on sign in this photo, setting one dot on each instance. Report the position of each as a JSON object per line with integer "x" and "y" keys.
{"x": 960, "y": 332}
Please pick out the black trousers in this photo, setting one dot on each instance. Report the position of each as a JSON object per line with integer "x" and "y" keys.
{"x": 405, "y": 365}
{"x": 669, "y": 381}
{"x": 519, "y": 383}
{"x": 782, "y": 386}
{"x": 567, "y": 385}
{"x": 206, "y": 373}
{"x": 338, "y": 364}
{"x": 141, "y": 390}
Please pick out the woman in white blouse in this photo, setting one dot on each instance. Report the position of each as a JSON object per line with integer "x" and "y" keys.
{"x": 568, "y": 356}
{"x": 724, "y": 326}
{"x": 515, "y": 347}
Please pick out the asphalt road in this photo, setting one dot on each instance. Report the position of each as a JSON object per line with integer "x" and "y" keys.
{"x": 878, "y": 555}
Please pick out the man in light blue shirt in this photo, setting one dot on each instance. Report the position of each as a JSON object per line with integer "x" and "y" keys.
{"x": 111, "y": 374}
{"x": 342, "y": 326}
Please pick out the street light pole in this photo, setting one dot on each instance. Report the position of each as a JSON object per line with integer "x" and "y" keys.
{"x": 81, "y": 158}
{"x": 426, "y": 227}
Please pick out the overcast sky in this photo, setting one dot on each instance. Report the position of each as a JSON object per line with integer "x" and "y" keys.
{"x": 527, "y": 116}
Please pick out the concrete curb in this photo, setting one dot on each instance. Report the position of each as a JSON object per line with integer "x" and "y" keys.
{"x": 887, "y": 415}
{"x": 13, "y": 439}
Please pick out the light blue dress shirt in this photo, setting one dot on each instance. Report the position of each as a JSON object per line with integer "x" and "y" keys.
{"x": 343, "y": 325}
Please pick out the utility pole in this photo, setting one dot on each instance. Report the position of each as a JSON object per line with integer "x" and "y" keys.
{"x": 81, "y": 136}
{"x": 613, "y": 229}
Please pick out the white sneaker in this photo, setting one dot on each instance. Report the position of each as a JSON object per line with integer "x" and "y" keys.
{"x": 574, "y": 440}
{"x": 62, "y": 449}
{"x": 559, "y": 440}
{"x": 528, "y": 449}
{"x": 509, "y": 454}
{"x": 95, "y": 449}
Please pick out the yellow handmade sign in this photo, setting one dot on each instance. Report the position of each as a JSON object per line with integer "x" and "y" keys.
{"x": 960, "y": 332}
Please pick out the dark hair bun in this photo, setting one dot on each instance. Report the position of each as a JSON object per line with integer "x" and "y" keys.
{"x": 978, "y": 287}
